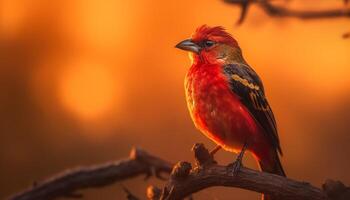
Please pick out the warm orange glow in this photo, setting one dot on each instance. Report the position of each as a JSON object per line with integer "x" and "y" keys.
{"x": 88, "y": 90}
{"x": 102, "y": 76}
{"x": 99, "y": 24}
{"x": 11, "y": 16}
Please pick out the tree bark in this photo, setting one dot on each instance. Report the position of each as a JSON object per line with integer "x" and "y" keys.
{"x": 184, "y": 179}
{"x": 67, "y": 183}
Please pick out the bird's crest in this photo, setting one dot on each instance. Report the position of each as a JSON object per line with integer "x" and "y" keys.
{"x": 216, "y": 34}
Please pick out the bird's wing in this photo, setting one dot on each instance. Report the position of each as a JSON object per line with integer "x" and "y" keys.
{"x": 245, "y": 83}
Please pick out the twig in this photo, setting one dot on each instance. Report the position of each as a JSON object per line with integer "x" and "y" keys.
{"x": 186, "y": 180}
{"x": 67, "y": 183}
{"x": 279, "y": 11}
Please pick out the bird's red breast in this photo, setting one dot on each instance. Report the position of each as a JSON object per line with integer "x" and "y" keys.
{"x": 215, "y": 110}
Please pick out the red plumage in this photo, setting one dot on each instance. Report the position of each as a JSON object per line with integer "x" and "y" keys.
{"x": 216, "y": 33}
{"x": 219, "y": 87}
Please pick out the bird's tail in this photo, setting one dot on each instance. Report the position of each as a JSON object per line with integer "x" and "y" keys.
{"x": 274, "y": 166}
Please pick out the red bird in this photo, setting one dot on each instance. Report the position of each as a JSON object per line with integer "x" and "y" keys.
{"x": 226, "y": 99}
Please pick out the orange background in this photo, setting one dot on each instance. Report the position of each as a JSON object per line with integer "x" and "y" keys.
{"x": 83, "y": 81}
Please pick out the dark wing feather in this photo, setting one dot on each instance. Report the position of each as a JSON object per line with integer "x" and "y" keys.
{"x": 245, "y": 83}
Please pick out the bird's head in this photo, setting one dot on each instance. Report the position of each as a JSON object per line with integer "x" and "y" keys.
{"x": 212, "y": 45}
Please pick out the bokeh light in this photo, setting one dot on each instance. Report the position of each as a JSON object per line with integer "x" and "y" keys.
{"x": 89, "y": 90}
{"x": 102, "y": 25}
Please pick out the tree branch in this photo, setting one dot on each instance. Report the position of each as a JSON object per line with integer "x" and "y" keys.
{"x": 185, "y": 180}
{"x": 67, "y": 183}
{"x": 279, "y": 11}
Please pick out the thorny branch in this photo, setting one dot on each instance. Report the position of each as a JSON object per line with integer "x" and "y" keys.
{"x": 184, "y": 180}
{"x": 279, "y": 11}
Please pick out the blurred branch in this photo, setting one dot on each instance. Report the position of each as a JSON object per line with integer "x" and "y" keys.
{"x": 280, "y": 11}
{"x": 67, "y": 183}
{"x": 346, "y": 35}
{"x": 184, "y": 180}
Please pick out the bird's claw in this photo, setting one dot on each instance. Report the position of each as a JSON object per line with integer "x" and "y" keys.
{"x": 236, "y": 167}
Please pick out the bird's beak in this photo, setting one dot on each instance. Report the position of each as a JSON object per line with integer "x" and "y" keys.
{"x": 189, "y": 45}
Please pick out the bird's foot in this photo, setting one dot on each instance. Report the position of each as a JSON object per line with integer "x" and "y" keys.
{"x": 237, "y": 165}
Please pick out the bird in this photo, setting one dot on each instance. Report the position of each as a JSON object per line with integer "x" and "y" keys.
{"x": 227, "y": 102}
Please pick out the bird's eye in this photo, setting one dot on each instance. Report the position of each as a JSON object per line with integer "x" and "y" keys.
{"x": 208, "y": 43}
